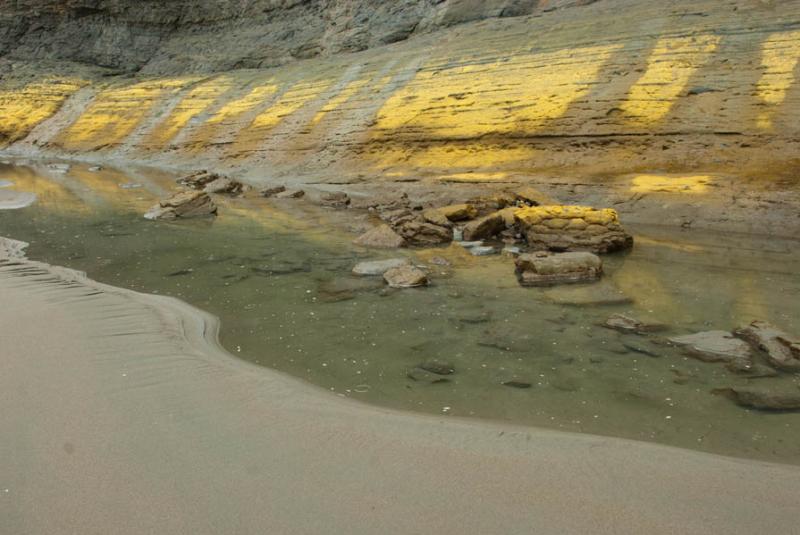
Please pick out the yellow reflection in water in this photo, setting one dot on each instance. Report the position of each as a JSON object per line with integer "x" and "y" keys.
{"x": 670, "y": 184}
{"x": 115, "y": 113}
{"x": 779, "y": 56}
{"x": 50, "y": 191}
{"x": 26, "y": 107}
{"x": 669, "y": 69}
{"x": 519, "y": 95}
{"x": 195, "y": 102}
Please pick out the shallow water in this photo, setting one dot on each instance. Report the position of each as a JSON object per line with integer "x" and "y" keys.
{"x": 279, "y": 278}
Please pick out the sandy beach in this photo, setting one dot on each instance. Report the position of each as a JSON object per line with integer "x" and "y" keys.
{"x": 121, "y": 413}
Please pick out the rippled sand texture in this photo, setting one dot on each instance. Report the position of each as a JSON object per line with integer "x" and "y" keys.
{"x": 120, "y": 413}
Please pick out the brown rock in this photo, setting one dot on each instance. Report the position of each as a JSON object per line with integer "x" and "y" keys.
{"x": 381, "y": 236}
{"x": 271, "y": 192}
{"x": 418, "y": 232}
{"x": 405, "y": 277}
{"x": 185, "y": 204}
{"x": 781, "y": 349}
{"x": 485, "y": 227}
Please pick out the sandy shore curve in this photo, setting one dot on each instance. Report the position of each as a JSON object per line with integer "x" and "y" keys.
{"x": 122, "y": 414}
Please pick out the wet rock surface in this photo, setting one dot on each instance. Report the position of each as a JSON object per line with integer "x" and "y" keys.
{"x": 183, "y": 205}
{"x": 547, "y": 269}
{"x": 573, "y": 228}
{"x": 626, "y": 324}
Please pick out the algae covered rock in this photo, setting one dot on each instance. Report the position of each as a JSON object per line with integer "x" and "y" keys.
{"x": 572, "y": 228}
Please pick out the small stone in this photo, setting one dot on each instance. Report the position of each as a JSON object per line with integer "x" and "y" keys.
{"x": 96, "y": 168}
{"x": 470, "y": 244}
{"x": 381, "y": 236}
{"x": 271, "y": 192}
{"x": 439, "y": 261}
{"x": 198, "y": 180}
{"x": 378, "y": 267}
{"x": 405, "y": 277}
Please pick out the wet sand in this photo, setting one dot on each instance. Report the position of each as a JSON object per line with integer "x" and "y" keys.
{"x": 122, "y": 414}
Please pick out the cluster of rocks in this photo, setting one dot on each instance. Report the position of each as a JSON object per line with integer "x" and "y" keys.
{"x": 758, "y": 350}
{"x": 211, "y": 183}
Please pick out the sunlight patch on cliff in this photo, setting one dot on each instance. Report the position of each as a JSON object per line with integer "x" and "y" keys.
{"x": 23, "y": 109}
{"x": 115, "y": 113}
{"x": 446, "y": 158}
{"x": 197, "y": 100}
{"x": 670, "y": 66}
{"x": 780, "y": 53}
{"x": 518, "y": 96}
{"x": 291, "y": 101}
{"x": 344, "y": 95}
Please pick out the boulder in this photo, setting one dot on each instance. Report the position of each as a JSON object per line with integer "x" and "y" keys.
{"x": 572, "y": 228}
{"x": 544, "y": 269}
{"x": 378, "y": 267}
{"x": 484, "y": 227}
{"x": 381, "y": 236}
{"x": 198, "y": 180}
{"x": 336, "y": 199}
{"x": 405, "y": 277}
{"x": 224, "y": 185}
{"x": 185, "y": 204}
{"x": 768, "y": 398}
{"x": 272, "y": 191}
{"x": 781, "y": 349}
{"x": 714, "y": 346}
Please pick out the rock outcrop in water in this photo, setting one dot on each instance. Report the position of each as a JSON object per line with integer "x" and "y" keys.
{"x": 183, "y": 205}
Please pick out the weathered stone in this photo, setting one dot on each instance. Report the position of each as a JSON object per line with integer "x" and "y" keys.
{"x": 782, "y": 350}
{"x": 198, "y": 180}
{"x": 484, "y": 227}
{"x": 418, "y": 232}
{"x": 337, "y": 199}
{"x": 271, "y": 192}
{"x": 185, "y": 204}
{"x": 767, "y": 398}
{"x": 224, "y": 185}
{"x": 378, "y": 267}
{"x": 405, "y": 277}
{"x": 542, "y": 269}
{"x": 572, "y": 228}
{"x": 291, "y": 194}
{"x": 714, "y": 346}
{"x": 381, "y": 236}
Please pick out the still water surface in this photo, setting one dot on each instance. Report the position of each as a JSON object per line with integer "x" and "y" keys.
{"x": 279, "y": 278}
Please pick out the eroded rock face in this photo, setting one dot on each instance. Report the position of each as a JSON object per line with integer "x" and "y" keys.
{"x": 543, "y": 269}
{"x": 405, "y": 277}
{"x": 781, "y": 349}
{"x": 573, "y": 228}
{"x": 185, "y": 204}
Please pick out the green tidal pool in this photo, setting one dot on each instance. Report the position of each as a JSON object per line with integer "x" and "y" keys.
{"x": 277, "y": 274}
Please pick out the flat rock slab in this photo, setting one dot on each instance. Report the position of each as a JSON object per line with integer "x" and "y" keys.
{"x": 714, "y": 346}
{"x": 539, "y": 269}
{"x": 378, "y": 267}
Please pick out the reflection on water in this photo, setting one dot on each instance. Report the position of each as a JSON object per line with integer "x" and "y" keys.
{"x": 283, "y": 289}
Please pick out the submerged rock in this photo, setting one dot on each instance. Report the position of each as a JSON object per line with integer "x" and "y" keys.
{"x": 185, "y": 204}
{"x": 424, "y": 376}
{"x": 762, "y": 398}
{"x": 405, "y": 277}
{"x": 573, "y": 228}
{"x": 544, "y": 269}
{"x": 714, "y": 346}
{"x": 439, "y": 367}
{"x": 781, "y": 349}
{"x": 378, "y": 267}
{"x": 625, "y": 324}
{"x": 381, "y": 236}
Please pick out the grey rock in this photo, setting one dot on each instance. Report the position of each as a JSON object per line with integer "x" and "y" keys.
{"x": 782, "y": 350}
{"x": 714, "y": 346}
